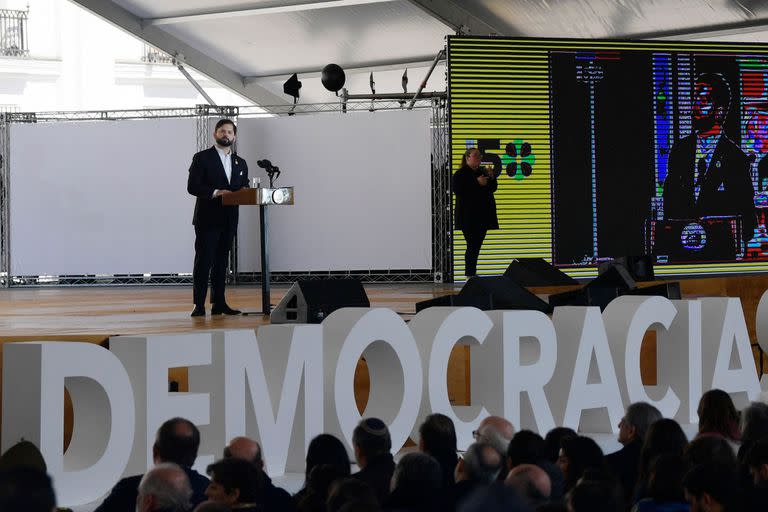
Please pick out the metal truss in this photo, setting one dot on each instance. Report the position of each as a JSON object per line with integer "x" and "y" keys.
{"x": 442, "y": 247}
{"x": 102, "y": 280}
{"x": 5, "y": 208}
{"x": 441, "y": 200}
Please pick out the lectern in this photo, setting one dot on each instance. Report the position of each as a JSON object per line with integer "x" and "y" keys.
{"x": 264, "y": 198}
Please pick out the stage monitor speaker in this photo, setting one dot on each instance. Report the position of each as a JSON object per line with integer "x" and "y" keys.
{"x": 311, "y": 301}
{"x": 482, "y": 302}
{"x": 504, "y": 292}
{"x": 669, "y": 290}
{"x": 599, "y": 296}
{"x": 639, "y": 267}
{"x": 615, "y": 276}
{"x": 537, "y": 272}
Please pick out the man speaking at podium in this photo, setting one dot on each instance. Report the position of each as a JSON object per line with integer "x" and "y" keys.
{"x": 214, "y": 173}
{"x": 709, "y": 175}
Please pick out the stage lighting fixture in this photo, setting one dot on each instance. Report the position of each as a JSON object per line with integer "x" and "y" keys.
{"x": 291, "y": 87}
{"x": 404, "y": 81}
{"x": 333, "y": 77}
{"x": 372, "y": 84}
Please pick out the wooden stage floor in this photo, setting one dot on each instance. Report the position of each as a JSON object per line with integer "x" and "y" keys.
{"x": 100, "y": 312}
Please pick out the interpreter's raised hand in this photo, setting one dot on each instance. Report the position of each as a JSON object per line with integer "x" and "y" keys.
{"x": 482, "y": 180}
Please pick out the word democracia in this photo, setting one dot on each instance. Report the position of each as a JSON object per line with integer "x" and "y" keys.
{"x": 287, "y": 383}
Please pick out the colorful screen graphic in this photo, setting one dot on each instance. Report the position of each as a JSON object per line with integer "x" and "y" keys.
{"x": 608, "y": 149}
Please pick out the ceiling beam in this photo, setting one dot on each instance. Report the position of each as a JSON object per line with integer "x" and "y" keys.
{"x": 704, "y": 31}
{"x": 277, "y": 8}
{"x": 365, "y": 67}
{"x": 186, "y": 54}
{"x": 462, "y": 20}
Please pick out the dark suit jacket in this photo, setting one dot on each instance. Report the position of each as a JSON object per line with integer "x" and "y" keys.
{"x": 378, "y": 474}
{"x": 475, "y": 204}
{"x": 206, "y": 174}
{"x": 726, "y": 190}
{"x": 122, "y": 497}
{"x": 625, "y": 465}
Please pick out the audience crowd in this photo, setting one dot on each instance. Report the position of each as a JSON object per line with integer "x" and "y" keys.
{"x": 724, "y": 468}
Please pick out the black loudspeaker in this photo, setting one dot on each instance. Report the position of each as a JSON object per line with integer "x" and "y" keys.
{"x": 669, "y": 290}
{"x": 537, "y": 272}
{"x": 616, "y": 276}
{"x": 599, "y": 296}
{"x": 483, "y": 302}
{"x": 504, "y": 292}
{"x": 639, "y": 267}
{"x": 311, "y": 301}
{"x": 600, "y": 291}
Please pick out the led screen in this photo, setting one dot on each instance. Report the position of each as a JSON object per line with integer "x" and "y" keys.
{"x": 605, "y": 149}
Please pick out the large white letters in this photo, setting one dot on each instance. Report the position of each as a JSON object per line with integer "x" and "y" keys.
{"x": 579, "y": 369}
{"x": 626, "y": 321}
{"x": 34, "y": 377}
{"x": 437, "y": 330}
{"x": 394, "y": 366}
{"x": 581, "y": 336}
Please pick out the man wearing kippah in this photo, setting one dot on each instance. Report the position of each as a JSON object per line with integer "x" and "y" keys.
{"x": 373, "y": 446}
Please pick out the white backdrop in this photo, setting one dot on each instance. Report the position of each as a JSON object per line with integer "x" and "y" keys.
{"x": 101, "y": 197}
{"x": 110, "y": 197}
{"x": 362, "y": 191}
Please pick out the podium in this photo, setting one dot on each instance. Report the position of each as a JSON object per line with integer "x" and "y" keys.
{"x": 264, "y": 198}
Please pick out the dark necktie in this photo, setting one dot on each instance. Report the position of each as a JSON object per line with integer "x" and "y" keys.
{"x": 701, "y": 169}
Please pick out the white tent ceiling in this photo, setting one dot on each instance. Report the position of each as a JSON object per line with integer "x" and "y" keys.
{"x": 253, "y": 46}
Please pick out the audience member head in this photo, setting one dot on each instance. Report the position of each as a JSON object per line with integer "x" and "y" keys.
{"x": 531, "y": 482}
{"x": 578, "y": 455}
{"x": 664, "y": 437}
{"x": 318, "y": 486}
{"x": 437, "y": 437}
{"x": 526, "y": 447}
{"x": 416, "y": 480}
{"x": 177, "y": 441}
{"x": 234, "y": 482}
{"x": 495, "y": 498}
{"x": 26, "y": 489}
{"x": 754, "y": 422}
{"x": 212, "y": 506}
{"x": 666, "y": 481}
{"x": 326, "y": 449}
{"x": 497, "y": 432}
{"x": 164, "y": 487}
{"x": 709, "y": 488}
{"x": 593, "y": 496}
{"x": 23, "y": 454}
{"x": 350, "y": 491}
{"x": 552, "y": 442}
{"x": 370, "y": 439}
{"x": 717, "y": 415}
{"x": 246, "y": 449}
{"x": 757, "y": 462}
{"x": 437, "y": 434}
{"x": 636, "y": 421}
{"x": 481, "y": 463}
{"x": 710, "y": 449}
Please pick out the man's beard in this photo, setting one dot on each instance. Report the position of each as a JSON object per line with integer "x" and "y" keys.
{"x": 704, "y": 124}
{"x": 224, "y": 142}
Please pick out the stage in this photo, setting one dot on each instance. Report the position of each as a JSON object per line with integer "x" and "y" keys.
{"x": 96, "y": 313}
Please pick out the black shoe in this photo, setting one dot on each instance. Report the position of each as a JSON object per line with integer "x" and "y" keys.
{"x": 223, "y": 310}
{"x": 198, "y": 311}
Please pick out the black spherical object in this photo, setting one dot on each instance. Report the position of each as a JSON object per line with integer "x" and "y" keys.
{"x": 333, "y": 77}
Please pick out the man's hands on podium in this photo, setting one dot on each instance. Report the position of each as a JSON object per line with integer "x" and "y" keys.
{"x": 219, "y": 193}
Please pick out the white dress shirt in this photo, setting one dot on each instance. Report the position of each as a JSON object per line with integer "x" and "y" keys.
{"x": 226, "y": 161}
